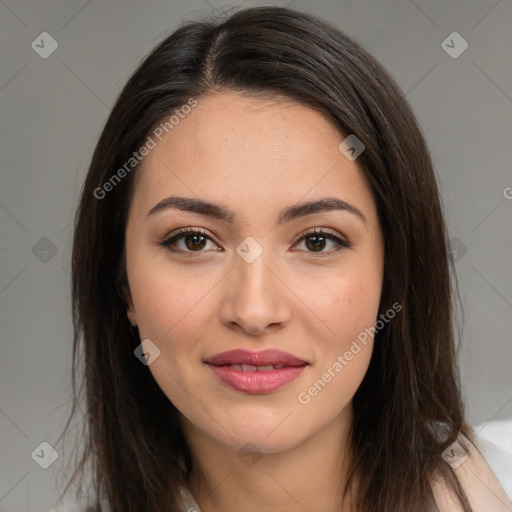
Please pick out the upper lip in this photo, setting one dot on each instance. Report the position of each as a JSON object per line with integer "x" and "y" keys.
{"x": 261, "y": 358}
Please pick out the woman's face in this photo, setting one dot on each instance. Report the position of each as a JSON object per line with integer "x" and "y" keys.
{"x": 253, "y": 282}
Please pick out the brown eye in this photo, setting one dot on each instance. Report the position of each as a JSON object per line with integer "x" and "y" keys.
{"x": 194, "y": 240}
{"x": 316, "y": 241}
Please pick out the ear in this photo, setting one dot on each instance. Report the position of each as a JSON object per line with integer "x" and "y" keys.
{"x": 129, "y": 302}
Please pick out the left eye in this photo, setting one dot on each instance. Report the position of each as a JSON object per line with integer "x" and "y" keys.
{"x": 195, "y": 240}
{"x": 317, "y": 240}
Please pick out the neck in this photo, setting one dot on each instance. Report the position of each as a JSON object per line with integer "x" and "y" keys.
{"x": 309, "y": 476}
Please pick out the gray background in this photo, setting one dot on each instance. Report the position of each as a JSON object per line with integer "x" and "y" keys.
{"x": 53, "y": 109}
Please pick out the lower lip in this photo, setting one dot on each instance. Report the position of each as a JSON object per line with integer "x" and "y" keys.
{"x": 257, "y": 383}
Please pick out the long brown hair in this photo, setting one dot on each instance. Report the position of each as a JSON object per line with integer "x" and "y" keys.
{"x": 131, "y": 434}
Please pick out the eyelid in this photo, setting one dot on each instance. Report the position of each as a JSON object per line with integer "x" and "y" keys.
{"x": 181, "y": 232}
{"x": 320, "y": 230}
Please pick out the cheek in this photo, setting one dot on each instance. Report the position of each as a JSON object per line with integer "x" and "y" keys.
{"x": 166, "y": 302}
{"x": 171, "y": 311}
{"x": 347, "y": 305}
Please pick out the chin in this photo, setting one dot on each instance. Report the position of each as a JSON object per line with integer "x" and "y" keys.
{"x": 271, "y": 436}
{"x": 262, "y": 442}
{"x": 264, "y": 429}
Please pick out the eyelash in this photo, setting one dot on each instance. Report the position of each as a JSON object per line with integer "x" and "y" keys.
{"x": 171, "y": 240}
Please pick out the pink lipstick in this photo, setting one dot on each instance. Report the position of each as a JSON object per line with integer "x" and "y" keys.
{"x": 256, "y": 372}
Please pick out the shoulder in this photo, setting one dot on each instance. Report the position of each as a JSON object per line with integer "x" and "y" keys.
{"x": 480, "y": 483}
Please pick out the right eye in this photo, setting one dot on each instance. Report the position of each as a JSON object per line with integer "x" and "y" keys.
{"x": 193, "y": 238}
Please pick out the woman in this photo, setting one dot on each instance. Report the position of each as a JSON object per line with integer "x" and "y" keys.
{"x": 303, "y": 357}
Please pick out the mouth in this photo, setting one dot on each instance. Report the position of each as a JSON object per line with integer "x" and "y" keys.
{"x": 256, "y": 372}
{"x": 263, "y": 358}
{"x": 253, "y": 367}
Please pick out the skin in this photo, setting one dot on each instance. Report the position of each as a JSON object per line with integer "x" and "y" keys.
{"x": 256, "y": 157}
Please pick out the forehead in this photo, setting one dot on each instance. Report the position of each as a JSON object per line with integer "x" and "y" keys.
{"x": 230, "y": 148}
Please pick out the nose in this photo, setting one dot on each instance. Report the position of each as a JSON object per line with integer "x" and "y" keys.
{"x": 256, "y": 299}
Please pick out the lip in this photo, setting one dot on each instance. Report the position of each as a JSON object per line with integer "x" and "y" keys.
{"x": 263, "y": 357}
{"x": 257, "y": 381}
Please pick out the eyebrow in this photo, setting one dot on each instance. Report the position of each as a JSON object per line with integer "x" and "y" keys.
{"x": 202, "y": 207}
